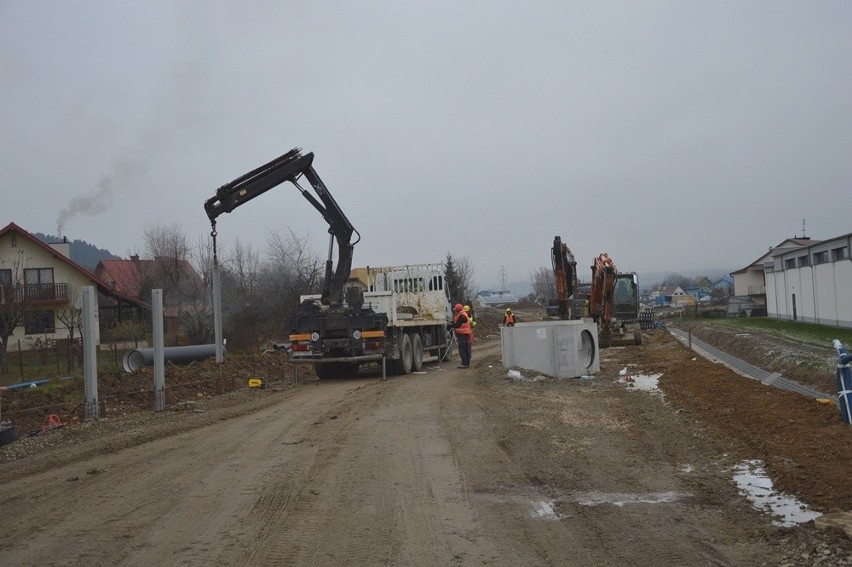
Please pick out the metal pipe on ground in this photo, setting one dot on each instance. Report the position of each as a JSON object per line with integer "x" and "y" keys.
{"x": 137, "y": 358}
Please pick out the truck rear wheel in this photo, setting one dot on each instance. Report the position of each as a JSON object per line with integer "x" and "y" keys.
{"x": 324, "y": 371}
{"x": 416, "y": 352}
{"x": 336, "y": 370}
{"x": 402, "y": 365}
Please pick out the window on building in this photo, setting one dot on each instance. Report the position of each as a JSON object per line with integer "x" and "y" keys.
{"x": 437, "y": 282}
{"x": 804, "y": 261}
{"x": 39, "y": 283}
{"x": 39, "y": 322}
{"x": 839, "y": 253}
{"x": 821, "y": 257}
{"x": 5, "y": 285}
{"x": 790, "y": 264}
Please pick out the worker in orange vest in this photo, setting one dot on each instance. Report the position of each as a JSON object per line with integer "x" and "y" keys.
{"x": 509, "y": 318}
{"x": 470, "y": 314}
{"x": 462, "y": 328}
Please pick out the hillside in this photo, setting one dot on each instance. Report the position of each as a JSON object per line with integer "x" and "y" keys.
{"x": 85, "y": 254}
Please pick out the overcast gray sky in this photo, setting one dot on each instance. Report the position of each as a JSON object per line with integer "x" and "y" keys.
{"x": 676, "y": 135}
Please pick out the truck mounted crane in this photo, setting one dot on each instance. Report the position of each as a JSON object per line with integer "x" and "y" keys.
{"x": 396, "y": 313}
{"x": 290, "y": 167}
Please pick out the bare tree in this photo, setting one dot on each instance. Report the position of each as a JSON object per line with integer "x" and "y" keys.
{"x": 242, "y": 306}
{"x": 459, "y": 274}
{"x": 543, "y": 285}
{"x": 467, "y": 277}
{"x": 294, "y": 269}
{"x": 244, "y": 265}
{"x": 13, "y": 305}
{"x": 170, "y": 270}
{"x": 71, "y": 317}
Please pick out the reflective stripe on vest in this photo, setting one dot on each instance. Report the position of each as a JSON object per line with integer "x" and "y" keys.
{"x": 510, "y": 319}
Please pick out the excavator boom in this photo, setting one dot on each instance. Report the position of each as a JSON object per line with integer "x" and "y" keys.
{"x": 565, "y": 274}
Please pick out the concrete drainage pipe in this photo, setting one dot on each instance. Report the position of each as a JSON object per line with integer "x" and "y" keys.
{"x": 137, "y": 358}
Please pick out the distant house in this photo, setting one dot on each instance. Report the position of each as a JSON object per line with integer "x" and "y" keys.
{"x": 490, "y": 298}
{"x": 750, "y": 281}
{"x": 43, "y": 280}
{"x": 669, "y": 295}
{"x": 184, "y": 293}
{"x": 699, "y": 294}
{"x": 725, "y": 283}
{"x": 811, "y": 283}
{"x": 680, "y": 297}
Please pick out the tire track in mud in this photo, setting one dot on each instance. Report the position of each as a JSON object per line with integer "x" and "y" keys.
{"x": 382, "y": 486}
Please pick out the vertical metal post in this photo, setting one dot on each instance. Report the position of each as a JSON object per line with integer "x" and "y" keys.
{"x": 217, "y": 312}
{"x": 90, "y": 353}
{"x": 159, "y": 350}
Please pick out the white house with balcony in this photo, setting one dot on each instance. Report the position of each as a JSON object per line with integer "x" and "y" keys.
{"x": 811, "y": 283}
{"x": 40, "y": 288}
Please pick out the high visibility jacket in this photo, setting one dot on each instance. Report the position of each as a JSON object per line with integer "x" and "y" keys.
{"x": 509, "y": 319}
{"x": 461, "y": 323}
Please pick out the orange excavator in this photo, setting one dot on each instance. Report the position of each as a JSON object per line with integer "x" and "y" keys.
{"x": 565, "y": 274}
{"x": 613, "y": 303}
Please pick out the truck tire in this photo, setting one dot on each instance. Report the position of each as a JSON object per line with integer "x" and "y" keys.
{"x": 324, "y": 371}
{"x": 416, "y": 352}
{"x": 402, "y": 365}
{"x": 336, "y": 370}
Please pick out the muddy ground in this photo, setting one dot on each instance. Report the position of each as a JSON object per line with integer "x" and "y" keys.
{"x": 448, "y": 467}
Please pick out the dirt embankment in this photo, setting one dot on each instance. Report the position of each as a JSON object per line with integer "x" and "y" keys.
{"x": 809, "y": 364}
{"x": 447, "y": 467}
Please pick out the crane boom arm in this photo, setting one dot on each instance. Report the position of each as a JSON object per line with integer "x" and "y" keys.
{"x": 290, "y": 167}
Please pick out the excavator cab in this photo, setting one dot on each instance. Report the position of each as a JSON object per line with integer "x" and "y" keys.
{"x": 625, "y": 298}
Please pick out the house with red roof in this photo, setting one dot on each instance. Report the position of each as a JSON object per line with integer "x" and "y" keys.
{"x": 186, "y": 309}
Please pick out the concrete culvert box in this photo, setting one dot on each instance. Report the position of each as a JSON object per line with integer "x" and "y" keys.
{"x": 562, "y": 349}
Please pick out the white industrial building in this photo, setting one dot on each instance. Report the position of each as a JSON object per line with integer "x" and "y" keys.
{"x": 811, "y": 283}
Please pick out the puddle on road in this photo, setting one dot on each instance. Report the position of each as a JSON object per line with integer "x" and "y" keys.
{"x": 620, "y": 499}
{"x": 545, "y": 510}
{"x": 752, "y": 480}
{"x": 544, "y": 506}
{"x": 643, "y": 382}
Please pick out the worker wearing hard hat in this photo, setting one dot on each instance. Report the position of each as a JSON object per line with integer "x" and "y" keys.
{"x": 470, "y": 314}
{"x": 462, "y": 328}
{"x": 509, "y": 318}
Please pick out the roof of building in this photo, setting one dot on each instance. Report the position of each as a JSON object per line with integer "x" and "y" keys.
{"x": 102, "y": 286}
{"x": 489, "y": 297}
{"x": 126, "y": 276}
{"x": 787, "y": 244}
{"x": 122, "y": 275}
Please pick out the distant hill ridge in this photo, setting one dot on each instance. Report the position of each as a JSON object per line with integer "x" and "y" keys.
{"x": 83, "y": 253}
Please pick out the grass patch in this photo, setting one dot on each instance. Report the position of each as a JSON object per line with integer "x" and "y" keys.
{"x": 808, "y": 333}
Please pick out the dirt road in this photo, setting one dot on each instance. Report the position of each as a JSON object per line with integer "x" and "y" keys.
{"x": 448, "y": 467}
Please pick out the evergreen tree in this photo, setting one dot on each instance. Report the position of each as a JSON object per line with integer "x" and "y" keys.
{"x": 451, "y": 279}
